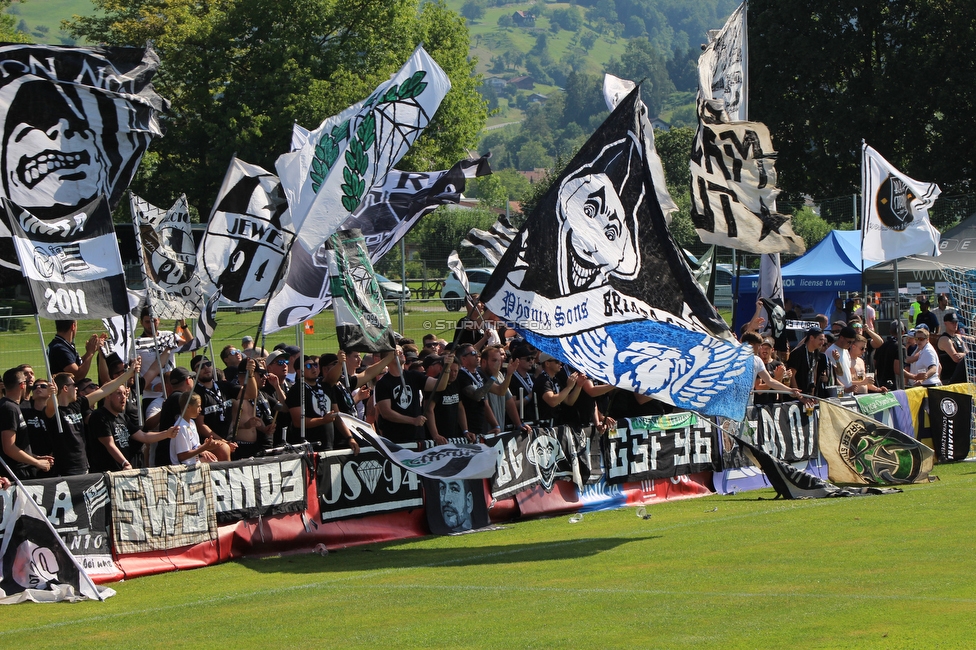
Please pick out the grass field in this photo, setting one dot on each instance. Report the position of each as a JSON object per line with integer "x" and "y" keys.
{"x": 736, "y": 571}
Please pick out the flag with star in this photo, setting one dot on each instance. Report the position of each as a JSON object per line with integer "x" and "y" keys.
{"x": 733, "y": 180}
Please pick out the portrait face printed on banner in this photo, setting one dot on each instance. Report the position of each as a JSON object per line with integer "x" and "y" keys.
{"x": 457, "y": 504}
{"x": 54, "y": 147}
{"x": 597, "y": 237}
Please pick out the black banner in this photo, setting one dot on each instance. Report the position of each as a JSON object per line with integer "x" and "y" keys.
{"x": 514, "y": 473}
{"x": 367, "y": 484}
{"x": 258, "y": 487}
{"x": 455, "y": 506}
{"x": 951, "y": 419}
{"x": 786, "y": 431}
{"x": 636, "y": 454}
{"x": 77, "y": 507}
{"x": 539, "y": 457}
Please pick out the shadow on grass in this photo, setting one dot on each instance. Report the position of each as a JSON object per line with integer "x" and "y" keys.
{"x": 395, "y": 556}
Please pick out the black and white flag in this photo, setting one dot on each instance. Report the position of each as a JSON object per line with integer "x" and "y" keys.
{"x": 204, "y": 326}
{"x": 36, "y": 565}
{"x": 494, "y": 242}
{"x": 248, "y": 236}
{"x": 76, "y": 122}
{"x": 595, "y": 279}
{"x": 345, "y": 161}
{"x": 385, "y": 216}
{"x": 771, "y": 295}
{"x": 72, "y": 263}
{"x": 362, "y": 321}
{"x": 733, "y": 180}
{"x": 169, "y": 258}
{"x": 453, "y": 461}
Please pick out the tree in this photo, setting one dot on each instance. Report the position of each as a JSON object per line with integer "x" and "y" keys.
{"x": 10, "y": 31}
{"x": 495, "y": 190}
{"x": 533, "y": 155}
{"x": 810, "y": 226}
{"x": 641, "y": 60}
{"x": 473, "y": 9}
{"x": 238, "y": 81}
{"x": 824, "y": 74}
{"x": 674, "y": 148}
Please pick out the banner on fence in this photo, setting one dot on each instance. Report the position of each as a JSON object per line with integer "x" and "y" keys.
{"x": 785, "y": 431}
{"x": 636, "y": 454}
{"x": 455, "y": 506}
{"x": 951, "y": 422}
{"x": 162, "y": 508}
{"x": 258, "y": 488}
{"x": 366, "y": 484}
{"x": 77, "y": 507}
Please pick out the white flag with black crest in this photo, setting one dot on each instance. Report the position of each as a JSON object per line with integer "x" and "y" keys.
{"x": 169, "y": 258}
{"x": 248, "y": 236}
{"x": 72, "y": 263}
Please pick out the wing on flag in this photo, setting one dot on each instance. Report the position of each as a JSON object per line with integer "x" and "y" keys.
{"x": 362, "y": 321}
{"x": 896, "y": 212}
{"x": 733, "y": 180}
{"x": 349, "y": 159}
{"x": 169, "y": 258}
{"x": 494, "y": 242}
{"x": 72, "y": 263}
{"x": 595, "y": 279}
{"x": 248, "y": 236}
{"x": 105, "y": 97}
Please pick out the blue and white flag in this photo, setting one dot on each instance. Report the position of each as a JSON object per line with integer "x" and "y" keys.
{"x": 445, "y": 462}
{"x": 595, "y": 279}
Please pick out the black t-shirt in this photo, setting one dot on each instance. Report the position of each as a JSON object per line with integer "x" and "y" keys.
{"x": 217, "y": 406}
{"x": 405, "y": 399}
{"x": 928, "y": 319}
{"x": 446, "y": 408}
{"x": 884, "y": 363}
{"x": 808, "y": 368}
{"x": 318, "y": 402}
{"x": 104, "y": 424}
{"x": 474, "y": 409}
{"x": 61, "y": 353}
{"x": 12, "y": 419}
{"x": 42, "y": 432}
{"x": 70, "y": 457}
{"x": 623, "y": 404}
{"x": 282, "y": 419}
{"x": 544, "y": 384}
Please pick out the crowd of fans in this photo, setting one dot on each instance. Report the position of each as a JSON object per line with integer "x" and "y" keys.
{"x": 485, "y": 381}
{"x": 844, "y": 355}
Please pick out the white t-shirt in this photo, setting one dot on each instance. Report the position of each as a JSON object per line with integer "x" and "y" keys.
{"x": 187, "y": 439}
{"x": 842, "y": 366}
{"x": 927, "y": 357}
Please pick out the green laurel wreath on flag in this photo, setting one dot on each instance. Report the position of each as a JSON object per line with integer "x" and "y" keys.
{"x": 357, "y": 157}
{"x": 326, "y": 153}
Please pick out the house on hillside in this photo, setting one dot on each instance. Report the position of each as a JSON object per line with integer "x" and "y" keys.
{"x": 523, "y": 19}
{"x": 495, "y": 83}
{"x": 536, "y": 98}
{"x": 535, "y": 175}
{"x": 523, "y": 83}
{"x": 659, "y": 124}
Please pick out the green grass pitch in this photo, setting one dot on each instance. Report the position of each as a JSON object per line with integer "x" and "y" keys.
{"x": 735, "y": 571}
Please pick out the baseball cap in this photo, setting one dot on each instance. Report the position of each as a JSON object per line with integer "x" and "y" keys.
{"x": 247, "y": 339}
{"x": 432, "y": 359}
{"x": 274, "y": 356}
{"x": 180, "y": 374}
{"x": 814, "y": 331}
{"x": 949, "y": 318}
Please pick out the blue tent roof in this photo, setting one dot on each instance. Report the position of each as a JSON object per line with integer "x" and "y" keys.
{"x": 832, "y": 265}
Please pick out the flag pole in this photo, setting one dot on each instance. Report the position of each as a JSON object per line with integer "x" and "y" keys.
{"x": 900, "y": 378}
{"x": 50, "y": 377}
{"x": 300, "y": 371}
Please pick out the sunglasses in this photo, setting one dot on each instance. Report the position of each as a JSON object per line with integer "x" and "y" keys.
{"x": 282, "y": 362}
{"x": 260, "y": 373}
{"x": 205, "y": 364}
{"x": 311, "y": 365}
{"x": 432, "y": 344}
{"x": 472, "y": 353}
{"x": 41, "y": 386}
